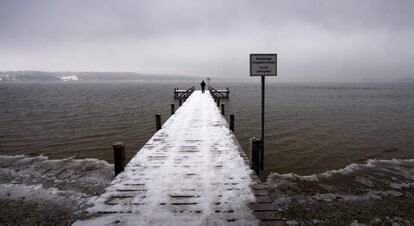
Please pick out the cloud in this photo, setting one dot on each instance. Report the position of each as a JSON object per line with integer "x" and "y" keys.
{"x": 316, "y": 40}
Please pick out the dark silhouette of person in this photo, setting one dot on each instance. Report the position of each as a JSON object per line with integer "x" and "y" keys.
{"x": 203, "y": 86}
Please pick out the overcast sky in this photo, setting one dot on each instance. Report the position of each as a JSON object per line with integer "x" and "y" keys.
{"x": 327, "y": 40}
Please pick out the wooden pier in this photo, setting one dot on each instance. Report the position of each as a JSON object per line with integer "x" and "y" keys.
{"x": 183, "y": 93}
{"x": 219, "y": 93}
{"x": 192, "y": 171}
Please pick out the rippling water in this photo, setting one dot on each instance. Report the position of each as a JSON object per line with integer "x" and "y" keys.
{"x": 81, "y": 119}
{"x": 312, "y": 128}
{"x": 311, "y": 131}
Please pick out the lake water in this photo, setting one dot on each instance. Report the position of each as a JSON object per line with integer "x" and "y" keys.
{"x": 321, "y": 142}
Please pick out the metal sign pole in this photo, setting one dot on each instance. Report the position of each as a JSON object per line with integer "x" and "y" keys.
{"x": 262, "y": 125}
{"x": 262, "y": 65}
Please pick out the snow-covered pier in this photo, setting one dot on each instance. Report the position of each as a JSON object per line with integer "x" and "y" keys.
{"x": 191, "y": 172}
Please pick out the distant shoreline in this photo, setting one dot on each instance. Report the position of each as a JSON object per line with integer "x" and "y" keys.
{"x": 79, "y": 76}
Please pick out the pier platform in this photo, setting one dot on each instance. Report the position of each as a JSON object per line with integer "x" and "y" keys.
{"x": 191, "y": 172}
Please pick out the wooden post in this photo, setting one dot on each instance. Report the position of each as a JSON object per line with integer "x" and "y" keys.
{"x": 179, "y": 102}
{"x": 218, "y": 102}
{"x": 172, "y": 109}
{"x": 232, "y": 123}
{"x": 119, "y": 157}
{"x": 157, "y": 122}
{"x": 254, "y": 154}
{"x": 222, "y": 109}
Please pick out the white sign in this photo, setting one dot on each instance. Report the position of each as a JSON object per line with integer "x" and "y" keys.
{"x": 263, "y": 64}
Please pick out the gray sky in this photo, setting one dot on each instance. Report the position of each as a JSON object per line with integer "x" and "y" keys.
{"x": 315, "y": 40}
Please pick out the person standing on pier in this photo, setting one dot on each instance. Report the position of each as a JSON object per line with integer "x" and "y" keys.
{"x": 203, "y": 86}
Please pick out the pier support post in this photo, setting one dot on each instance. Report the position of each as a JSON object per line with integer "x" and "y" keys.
{"x": 222, "y": 109}
{"x": 172, "y": 109}
{"x": 119, "y": 157}
{"x": 179, "y": 102}
{"x": 254, "y": 154}
{"x": 218, "y": 102}
{"x": 232, "y": 122}
{"x": 157, "y": 122}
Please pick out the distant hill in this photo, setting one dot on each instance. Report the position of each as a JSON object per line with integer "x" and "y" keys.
{"x": 406, "y": 80}
{"x": 90, "y": 76}
{"x": 371, "y": 80}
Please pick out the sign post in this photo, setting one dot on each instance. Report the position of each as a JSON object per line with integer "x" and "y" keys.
{"x": 263, "y": 65}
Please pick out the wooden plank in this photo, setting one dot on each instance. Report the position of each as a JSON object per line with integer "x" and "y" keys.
{"x": 272, "y": 223}
{"x": 260, "y": 193}
{"x": 267, "y": 216}
{"x": 262, "y": 207}
{"x": 263, "y": 199}
{"x": 260, "y": 187}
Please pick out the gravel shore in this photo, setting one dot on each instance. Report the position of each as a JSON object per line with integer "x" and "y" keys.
{"x": 19, "y": 212}
{"x": 388, "y": 211}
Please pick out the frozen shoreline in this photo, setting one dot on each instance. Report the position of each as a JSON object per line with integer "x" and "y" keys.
{"x": 347, "y": 195}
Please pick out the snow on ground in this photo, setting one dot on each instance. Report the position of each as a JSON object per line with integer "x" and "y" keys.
{"x": 189, "y": 173}
{"x": 69, "y": 78}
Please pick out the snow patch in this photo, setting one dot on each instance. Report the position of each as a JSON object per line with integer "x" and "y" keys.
{"x": 69, "y": 78}
{"x": 373, "y": 180}
{"x": 37, "y": 193}
{"x": 88, "y": 176}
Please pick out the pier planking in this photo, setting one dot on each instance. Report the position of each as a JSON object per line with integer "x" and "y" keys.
{"x": 192, "y": 171}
